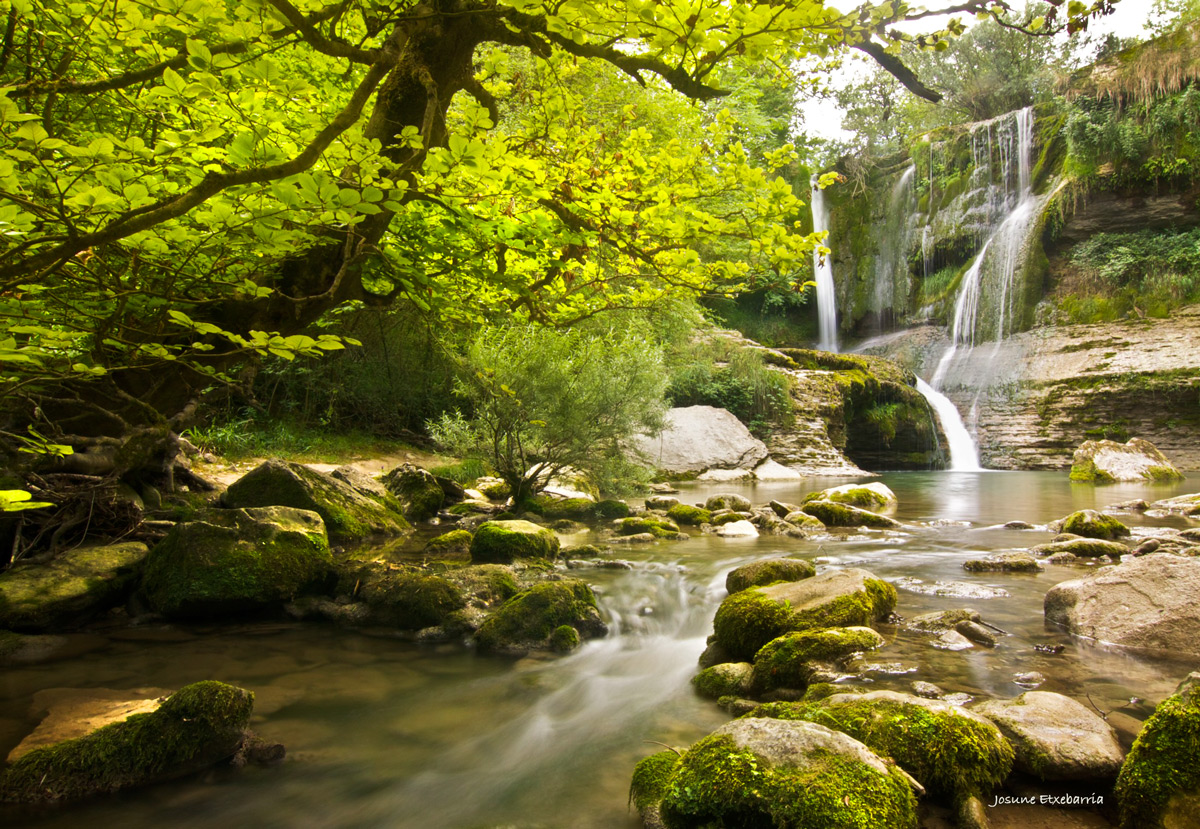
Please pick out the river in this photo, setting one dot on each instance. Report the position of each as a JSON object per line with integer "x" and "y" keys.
{"x": 384, "y": 732}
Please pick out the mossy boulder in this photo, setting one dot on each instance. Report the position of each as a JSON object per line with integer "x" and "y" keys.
{"x": 751, "y": 618}
{"x": 657, "y": 527}
{"x": 349, "y": 515}
{"x": 650, "y": 778}
{"x": 725, "y": 679}
{"x": 418, "y": 491}
{"x": 874, "y": 496}
{"x": 234, "y": 561}
{"x": 792, "y": 775}
{"x": 71, "y": 589}
{"x": 843, "y": 515}
{"x": 556, "y": 509}
{"x": 732, "y": 501}
{"x": 688, "y": 514}
{"x": 529, "y": 620}
{"x": 790, "y": 660}
{"x": 1159, "y": 784}
{"x": 484, "y": 585}
{"x": 494, "y": 488}
{"x": 1003, "y": 563}
{"x": 721, "y": 519}
{"x": 1092, "y": 524}
{"x": 455, "y": 541}
{"x": 804, "y": 521}
{"x": 768, "y": 571}
{"x": 405, "y": 598}
{"x": 1106, "y": 461}
{"x": 952, "y": 752}
{"x": 943, "y": 620}
{"x": 610, "y": 508}
{"x": 199, "y": 725}
{"x": 1082, "y": 547}
{"x": 503, "y": 542}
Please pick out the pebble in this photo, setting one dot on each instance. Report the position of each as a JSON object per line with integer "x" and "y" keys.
{"x": 1029, "y": 679}
{"x": 927, "y": 690}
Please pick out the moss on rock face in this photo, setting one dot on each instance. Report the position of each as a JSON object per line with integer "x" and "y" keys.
{"x": 952, "y": 752}
{"x": 751, "y": 618}
{"x": 726, "y": 679}
{"x": 455, "y": 541}
{"x": 349, "y": 515}
{"x": 1092, "y": 524}
{"x": 873, "y": 496}
{"x": 1159, "y": 784}
{"x": 788, "y": 661}
{"x": 407, "y": 599}
{"x": 687, "y": 514}
{"x": 657, "y": 527}
{"x": 484, "y": 585}
{"x": 555, "y": 509}
{"x": 197, "y": 726}
{"x": 237, "y": 561}
{"x": 528, "y": 620}
{"x": 418, "y": 491}
{"x": 843, "y": 515}
{"x": 721, "y": 783}
{"x": 804, "y": 521}
{"x": 1082, "y": 547}
{"x": 503, "y": 542}
{"x": 650, "y": 778}
{"x": 768, "y": 571}
{"x": 71, "y": 589}
{"x": 737, "y": 503}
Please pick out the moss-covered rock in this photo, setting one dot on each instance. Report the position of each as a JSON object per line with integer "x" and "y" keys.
{"x": 688, "y": 514}
{"x": 751, "y": 618}
{"x": 407, "y": 599}
{"x": 494, "y": 488}
{"x": 349, "y": 515}
{"x": 789, "y": 660}
{"x": 529, "y": 620}
{"x": 1106, "y": 462}
{"x": 484, "y": 585}
{"x": 952, "y": 752}
{"x": 237, "y": 561}
{"x": 872, "y": 496}
{"x": 1159, "y": 784}
{"x": 844, "y": 515}
{"x": 942, "y": 620}
{"x": 199, "y": 725}
{"x": 726, "y": 679}
{"x": 804, "y": 521}
{"x": 721, "y": 519}
{"x": 17, "y": 648}
{"x": 650, "y": 778}
{"x": 455, "y": 541}
{"x": 1082, "y": 547}
{"x": 768, "y": 571}
{"x": 732, "y": 501}
{"x": 610, "y": 508}
{"x": 791, "y": 775}
{"x": 556, "y": 509}
{"x": 418, "y": 491}
{"x": 71, "y": 589}
{"x": 657, "y": 527}
{"x": 503, "y": 542}
{"x": 1092, "y": 524}
{"x": 1003, "y": 563}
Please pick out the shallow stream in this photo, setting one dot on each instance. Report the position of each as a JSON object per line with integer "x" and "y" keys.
{"x": 384, "y": 732}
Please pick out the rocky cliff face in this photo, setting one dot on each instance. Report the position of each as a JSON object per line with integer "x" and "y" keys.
{"x": 1033, "y": 398}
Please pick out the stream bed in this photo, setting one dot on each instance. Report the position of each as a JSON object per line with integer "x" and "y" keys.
{"x": 384, "y": 732}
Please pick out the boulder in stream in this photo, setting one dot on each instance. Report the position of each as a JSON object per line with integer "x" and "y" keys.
{"x": 768, "y": 571}
{"x": 1159, "y": 784}
{"x": 791, "y": 660}
{"x": 1089, "y": 523}
{"x": 763, "y": 772}
{"x": 1055, "y": 737}
{"x": 197, "y": 726}
{"x": 751, "y": 618}
{"x": 503, "y": 542}
{"x": 832, "y": 514}
{"x": 231, "y": 561}
{"x": 1106, "y": 461}
{"x": 418, "y": 491}
{"x": 70, "y": 589}
{"x": 535, "y": 619}
{"x": 699, "y": 438}
{"x": 349, "y": 515}
{"x": 1146, "y": 603}
{"x": 687, "y": 514}
{"x": 873, "y": 496}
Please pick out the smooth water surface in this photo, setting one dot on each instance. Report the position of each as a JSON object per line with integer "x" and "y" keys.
{"x": 384, "y": 732}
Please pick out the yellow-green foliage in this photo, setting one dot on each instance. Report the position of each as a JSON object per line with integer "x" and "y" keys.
{"x": 1162, "y": 772}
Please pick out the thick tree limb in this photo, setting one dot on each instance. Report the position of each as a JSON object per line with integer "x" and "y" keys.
{"x": 897, "y": 68}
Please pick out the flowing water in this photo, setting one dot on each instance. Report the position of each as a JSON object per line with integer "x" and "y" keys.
{"x": 384, "y": 732}
{"x": 964, "y": 454}
{"x": 823, "y": 267}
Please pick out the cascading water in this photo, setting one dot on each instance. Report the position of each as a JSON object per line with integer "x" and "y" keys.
{"x": 891, "y": 262}
{"x": 823, "y": 266}
{"x": 964, "y": 455}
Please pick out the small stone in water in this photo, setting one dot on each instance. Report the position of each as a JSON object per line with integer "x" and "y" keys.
{"x": 1019, "y": 525}
{"x": 958, "y": 698}
{"x": 1049, "y": 648}
{"x": 952, "y": 640}
{"x": 926, "y": 689}
{"x": 1029, "y": 679}
{"x": 977, "y": 633}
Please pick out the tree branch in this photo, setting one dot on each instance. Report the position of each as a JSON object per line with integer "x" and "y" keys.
{"x": 897, "y": 68}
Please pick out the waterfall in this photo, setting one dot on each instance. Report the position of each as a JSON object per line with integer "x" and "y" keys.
{"x": 964, "y": 456}
{"x": 823, "y": 266}
{"x": 891, "y": 262}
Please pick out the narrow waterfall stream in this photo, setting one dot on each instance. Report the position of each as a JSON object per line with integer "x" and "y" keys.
{"x": 823, "y": 266}
{"x": 964, "y": 454}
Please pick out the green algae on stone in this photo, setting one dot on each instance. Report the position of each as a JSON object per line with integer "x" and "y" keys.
{"x": 1092, "y": 524}
{"x": 418, "y": 491}
{"x": 657, "y": 527}
{"x": 455, "y": 541}
{"x": 564, "y": 639}
{"x": 687, "y": 514}
{"x": 408, "y": 599}
{"x": 952, "y": 752}
{"x": 348, "y": 514}
{"x": 199, "y": 725}
{"x": 873, "y": 496}
{"x": 528, "y": 620}
{"x": 787, "y": 661}
{"x": 237, "y": 561}
{"x": 843, "y": 515}
{"x": 725, "y": 679}
{"x": 554, "y": 509}
{"x": 484, "y": 585}
{"x": 768, "y": 571}
{"x": 804, "y": 521}
{"x": 503, "y": 542}
{"x": 737, "y": 503}
{"x": 72, "y": 588}
{"x": 1159, "y": 783}
{"x": 650, "y": 778}
{"x": 1082, "y": 547}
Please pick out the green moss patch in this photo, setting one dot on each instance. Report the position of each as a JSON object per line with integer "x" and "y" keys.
{"x": 529, "y": 620}
{"x": 1092, "y": 524}
{"x": 768, "y": 571}
{"x": 687, "y": 514}
{"x": 842, "y": 515}
{"x": 650, "y": 778}
{"x": 657, "y": 527}
{"x": 1159, "y": 784}
{"x": 408, "y": 599}
{"x": 503, "y": 542}
{"x": 788, "y": 661}
{"x": 455, "y": 541}
{"x": 418, "y": 491}
{"x": 726, "y": 679}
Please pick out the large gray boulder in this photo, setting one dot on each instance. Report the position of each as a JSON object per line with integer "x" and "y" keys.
{"x": 1106, "y": 461}
{"x": 1055, "y": 737}
{"x": 698, "y": 438}
{"x": 1148, "y": 603}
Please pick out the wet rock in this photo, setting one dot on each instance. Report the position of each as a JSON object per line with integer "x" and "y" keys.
{"x": 360, "y": 481}
{"x": 1003, "y": 563}
{"x": 455, "y": 541}
{"x": 1029, "y": 679}
{"x": 662, "y": 502}
{"x": 19, "y": 649}
{"x": 657, "y": 527}
{"x": 1106, "y": 461}
{"x": 768, "y": 571}
{"x": 1082, "y": 548}
{"x": 1147, "y": 546}
{"x": 843, "y": 515}
{"x": 952, "y": 640}
{"x": 71, "y": 589}
{"x": 1089, "y": 523}
{"x": 943, "y": 619}
{"x": 699, "y": 438}
{"x": 685, "y": 514}
{"x": 725, "y": 679}
{"x": 1179, "y": 505}
{"x": 783, "y": 510}
{"x": 791, "y": 774}
{"x": 663, "y": 488}
{"x": 404, "y": 598}
{"x": 769, "y": 523}
{"x": 71, "y": 713}
{"x": 749, "y": 619}
{"x": 1146, "y": 602}
{"x": 636, "y": 538}
{"x": 348, "y": 514}
{"x": 1159, "y": 784}
{"x": 503, "y": 542}
{"x": 1062, "y": 557}
{"x": 977, "y": 633}
{"x": 737, "y": 529}
{"x": 531, "y": 619}
{"x": 926, "y": 690}
{"x": 729, "y": 501}
{"x": 804, "y": 522}
{"x": 233, "y": 561}
{"x": 1136, "y": 505}
{"x": 951, "y": 589}
{"x": 194, "y": 728}
{"x": 873, "y": 496}
{"x": 1055, "y": 737}
{"x": 791, "y": 660}
{"x": 1019, "y": 525}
